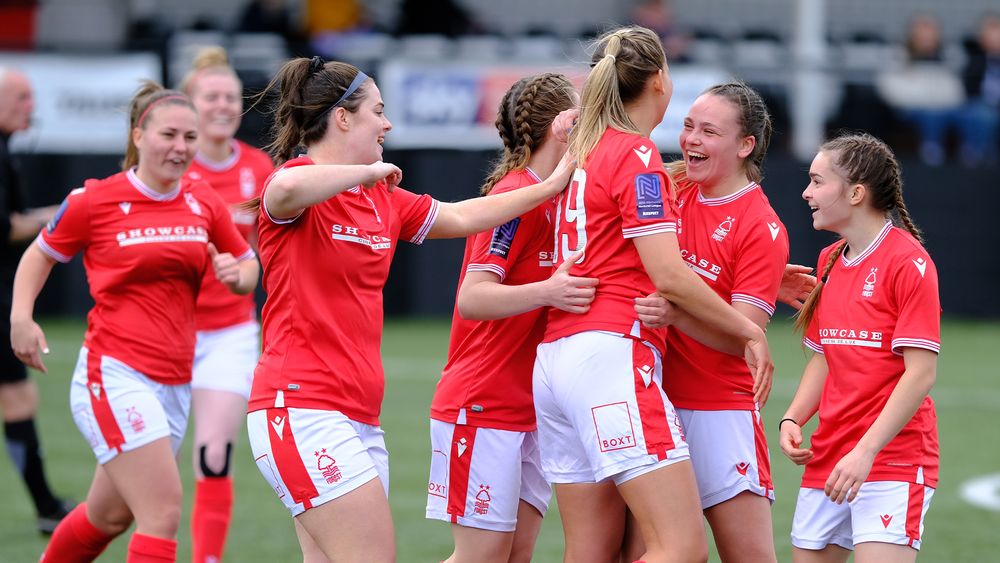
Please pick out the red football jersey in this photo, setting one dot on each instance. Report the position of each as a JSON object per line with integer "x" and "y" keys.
{"x": 237, "y": 179}
{"x": 145, "y": 255}
{"x": 874, "y": 305}
{"x": 322, "y": 322}
{"x": 487, "y": 380}
{"x": 621, "y": 193}
{"x": 739, "y": 247}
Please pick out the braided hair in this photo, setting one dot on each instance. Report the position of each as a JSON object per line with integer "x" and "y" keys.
{"x": 861, "y": 158}
{"x": 524, "y": 117}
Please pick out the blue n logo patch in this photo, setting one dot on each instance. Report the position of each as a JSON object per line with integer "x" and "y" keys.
{"x": 503, "y": 237}
{"x": 648, "y": 196}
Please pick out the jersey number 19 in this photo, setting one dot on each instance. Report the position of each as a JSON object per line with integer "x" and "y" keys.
{"x": 576, "y": 213}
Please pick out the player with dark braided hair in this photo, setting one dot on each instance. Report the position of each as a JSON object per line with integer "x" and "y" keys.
{"x": 485, "y": 474}
{"x": 874, "y": 325}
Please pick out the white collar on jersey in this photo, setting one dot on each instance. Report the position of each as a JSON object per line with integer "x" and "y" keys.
{"x": 220, "y": 166}
{"x": 712, "y": 201}
{"x": 533, "y": 175}
{"x": 148, "y": 191}
{"x": 868, "y": 251}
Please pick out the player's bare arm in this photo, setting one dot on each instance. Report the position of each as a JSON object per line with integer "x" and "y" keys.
{"x": 482, "y": 297}
{"x": 293, "y": 189}
{"x": 804, "y": 405}
{"x": 478, "y": 214}
{"x": 26, "y": 337}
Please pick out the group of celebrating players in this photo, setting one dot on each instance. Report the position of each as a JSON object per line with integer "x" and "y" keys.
{"x": 596, "y": 283}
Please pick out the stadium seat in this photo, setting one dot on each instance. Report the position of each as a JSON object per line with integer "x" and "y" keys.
{"x": 260, "y": 52}
{"x": 481, "y": 47}
{"x": 537, "y": 48}
{"x": 425, "y": 47}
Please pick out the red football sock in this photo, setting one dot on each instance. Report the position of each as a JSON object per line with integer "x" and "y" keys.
{"x": 213, "y": 502}
{"x": 151, "y": 549}
{"x": 76, "y": 540}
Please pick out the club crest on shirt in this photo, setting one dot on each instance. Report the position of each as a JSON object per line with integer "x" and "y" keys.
{"x": 648, "y": 196}
{"x": 869, "y": 288}
{"x": 248, "y": 182}
{"x": 503, "y": 238}
{"x": 723, "y": 229}
{"x": 192, "y": 203}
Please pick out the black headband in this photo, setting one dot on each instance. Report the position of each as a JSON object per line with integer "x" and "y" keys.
{"x": 359, "y": 79}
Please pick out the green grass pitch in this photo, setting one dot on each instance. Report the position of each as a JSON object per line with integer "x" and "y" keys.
{"x": 967, "y": 395}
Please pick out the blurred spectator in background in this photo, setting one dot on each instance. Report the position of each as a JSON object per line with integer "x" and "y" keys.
{"x": 337, "y": 16}
{"x": 274, "y": 16}
{"x": 981, "y": 115}
{"x": 442, "y": 17}
{"x": 927, "y": 94}
{"x": 658, "y": 15}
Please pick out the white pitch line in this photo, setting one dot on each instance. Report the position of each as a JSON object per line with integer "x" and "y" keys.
{"x": 983, "y": 492}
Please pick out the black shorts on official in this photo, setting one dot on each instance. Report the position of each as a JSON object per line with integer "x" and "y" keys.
{"x": 11, "y": 368}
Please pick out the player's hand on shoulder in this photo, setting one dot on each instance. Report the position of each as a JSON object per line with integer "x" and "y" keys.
{"x": 560, "y": 177}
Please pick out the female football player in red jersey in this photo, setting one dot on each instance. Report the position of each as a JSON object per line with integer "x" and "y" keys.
{"x": 228, "y": 340}
{"x": 874, "y": 325}
{"x": 604, "y": 422}
{"x": 485, "y": 468}
{"x": 329, "y": 225}
{"x": 732, "y": 237}
{"x": 147, "y": 235}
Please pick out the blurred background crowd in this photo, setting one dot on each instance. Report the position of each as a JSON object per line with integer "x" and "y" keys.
{"x": 922, "y": 74}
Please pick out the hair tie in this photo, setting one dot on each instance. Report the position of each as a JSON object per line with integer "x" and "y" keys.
{"x": 316, "y": 64}
{"x": 613, "y": 58}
